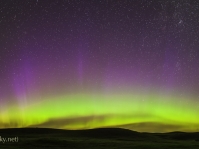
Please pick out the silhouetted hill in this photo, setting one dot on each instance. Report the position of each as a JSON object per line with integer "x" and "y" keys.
{"x": 94, "y": 133}
{"x": 184, "y": 136}
{"x": 99, "y": 133}
{"x": 100, "y": 138}
{"x": 109, "y": 133}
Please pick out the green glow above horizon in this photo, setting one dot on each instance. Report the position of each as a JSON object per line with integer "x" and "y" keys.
{"x": 84, "y": 110}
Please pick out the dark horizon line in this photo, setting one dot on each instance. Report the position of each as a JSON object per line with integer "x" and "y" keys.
{"x": 102, "y": 128}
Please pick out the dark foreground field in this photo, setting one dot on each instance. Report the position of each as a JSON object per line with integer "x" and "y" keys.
{"x": 104, "y": 138}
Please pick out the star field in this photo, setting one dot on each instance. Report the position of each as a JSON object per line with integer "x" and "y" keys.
{"x": 76, "y": 64}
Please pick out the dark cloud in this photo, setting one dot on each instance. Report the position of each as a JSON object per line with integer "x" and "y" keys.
{"x": 158, "y": 127}
{"x": 86, "y": 122}
{"x": 71, "y": 121}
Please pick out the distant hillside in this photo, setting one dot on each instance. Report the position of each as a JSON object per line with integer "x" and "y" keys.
{"x": 98, "y": 132}
{"x": 106, "y": 133}
{"x": 100, "y": 138}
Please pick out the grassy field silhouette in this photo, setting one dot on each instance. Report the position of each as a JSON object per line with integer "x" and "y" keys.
{"x": 102, "y": 138}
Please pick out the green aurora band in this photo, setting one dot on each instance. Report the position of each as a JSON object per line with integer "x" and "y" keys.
{"x": 141, "y": 110}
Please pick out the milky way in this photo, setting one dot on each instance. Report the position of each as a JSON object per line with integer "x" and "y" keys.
{"x": 76, "y": 64}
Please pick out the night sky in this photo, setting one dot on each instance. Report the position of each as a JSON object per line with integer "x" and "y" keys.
{"x": 80, "y": 64}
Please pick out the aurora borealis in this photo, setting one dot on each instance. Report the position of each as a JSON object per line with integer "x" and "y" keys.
{"x": 80, "y": 64}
